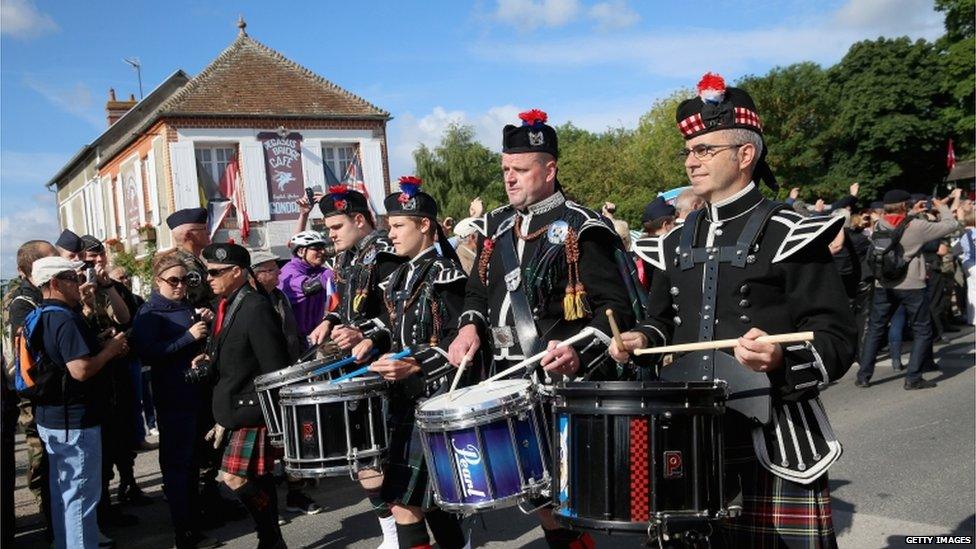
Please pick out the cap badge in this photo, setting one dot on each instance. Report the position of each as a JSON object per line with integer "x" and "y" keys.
{"x": 536, "y": 139}
{"x": 220, "y": 254}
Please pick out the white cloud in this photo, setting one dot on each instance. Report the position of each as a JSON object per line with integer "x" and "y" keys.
{"x": 28, "y": 169}
{"x": 531, "y": 14}
{"x": 77, "y": 100}
{"x": 615, "y": 14}
{"x": 20, "y": 19}
{"x": 676, "y": 52}
{"x": 37, "y": 220}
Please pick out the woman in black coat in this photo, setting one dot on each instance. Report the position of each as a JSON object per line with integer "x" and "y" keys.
{"x": 168, "y": 332}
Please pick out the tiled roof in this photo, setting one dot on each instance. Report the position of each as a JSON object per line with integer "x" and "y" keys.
{"x": 249, "y": 79}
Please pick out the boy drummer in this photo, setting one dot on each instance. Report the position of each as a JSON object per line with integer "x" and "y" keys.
{"x": 423, "y": 299}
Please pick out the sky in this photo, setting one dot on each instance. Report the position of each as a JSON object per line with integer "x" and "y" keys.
{"x": 598, "y": 64}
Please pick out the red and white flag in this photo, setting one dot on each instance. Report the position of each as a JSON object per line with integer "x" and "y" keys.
{"x": 950, "y": 157}
{"x": 354, "y": 179}
{"x": 231, "y": 186}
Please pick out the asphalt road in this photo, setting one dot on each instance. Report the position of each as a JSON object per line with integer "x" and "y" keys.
{"x": 907, "y": 470}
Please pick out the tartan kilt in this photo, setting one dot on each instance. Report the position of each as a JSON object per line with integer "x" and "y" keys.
{"x": 405, "y": 477}
{"x": 249, "y": 453}
{"x": 776, "y": 513}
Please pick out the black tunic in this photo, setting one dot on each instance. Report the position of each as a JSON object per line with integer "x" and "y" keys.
{"x": 544, "y": 272}
{"x": 359, "y": 272}
{"x": 783, "y": 281}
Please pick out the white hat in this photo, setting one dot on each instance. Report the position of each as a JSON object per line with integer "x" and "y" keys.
{"x": 261, "y": 256}
{"x": 46, "y": 268}
{"x": 467, "y": 227}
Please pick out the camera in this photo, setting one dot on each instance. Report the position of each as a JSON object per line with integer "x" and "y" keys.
{"x": 202, "y": 372}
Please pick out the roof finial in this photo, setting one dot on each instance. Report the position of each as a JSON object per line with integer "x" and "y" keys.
{"x": 241, "y": 24}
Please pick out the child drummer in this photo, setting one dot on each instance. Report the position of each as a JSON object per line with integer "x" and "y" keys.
{"x": 423, "y": 299}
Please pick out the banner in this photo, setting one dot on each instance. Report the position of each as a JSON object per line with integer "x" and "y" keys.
{"x": 130, "y": 199}
{"x": 283, "y": 165}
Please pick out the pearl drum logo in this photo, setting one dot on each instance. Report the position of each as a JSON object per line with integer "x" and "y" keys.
{"x": 673, "y": 465}
{"x": 470, "y": 468}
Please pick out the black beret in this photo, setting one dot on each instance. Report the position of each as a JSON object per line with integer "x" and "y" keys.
{"x": 534, "y": 135}
{"x": 410, "y": 200}
{"x": 187, "y": 216}
{"x": 876, "y": 205}
{"x": 343, "y": 201}
{"x": 896, "y": 196}
{"x": 228, "y": 254}
{"x": 657, "y": 209}
{"x": 919, "y": 197}
{"x": 69, "y": 241}
{"x": 91, "y": 244}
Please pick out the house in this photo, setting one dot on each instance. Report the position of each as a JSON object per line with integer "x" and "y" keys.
{"x": 251, "y": 131}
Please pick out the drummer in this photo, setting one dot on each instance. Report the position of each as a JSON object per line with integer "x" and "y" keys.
{"x": 423, "y": 299}
{"x": 739, "y": 268}
{"x": 545, "y": 271}
{"x": 365, "y": 259}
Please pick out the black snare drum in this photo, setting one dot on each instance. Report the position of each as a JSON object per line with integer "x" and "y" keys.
{"x": 639, "y": 457}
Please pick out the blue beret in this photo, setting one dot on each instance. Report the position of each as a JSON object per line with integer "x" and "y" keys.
{"x": 657, "y": 209}
{"x": 69, "y": 241}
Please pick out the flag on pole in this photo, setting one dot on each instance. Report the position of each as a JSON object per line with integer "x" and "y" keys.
{"x": 231, "y": 186}
{"x": 354, "y": 179}
{"x": 950, "y": 157}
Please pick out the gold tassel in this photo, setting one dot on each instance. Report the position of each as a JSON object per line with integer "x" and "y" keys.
{"x": 582, "y": 311}
{"x": 358, "y": 301}
{"x": 569, "y": 304}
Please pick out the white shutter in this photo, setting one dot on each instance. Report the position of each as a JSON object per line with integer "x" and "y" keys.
{"x": 98, "y": 209}
{"x": 183, "y": 165}
{"x": 372, "y": 160}
{"x": 108, "y": 207}
{"x": 140, "y": 192}
{"x": 153, "y": 185}
{"x": 255, "y": 182}
{"x": 121, "y": 223}
{"x": 314, "y": 172}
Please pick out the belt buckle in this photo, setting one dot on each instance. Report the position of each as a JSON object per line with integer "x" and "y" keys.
{"x": 502, "y": 337}
{"x": 512, "y": 280}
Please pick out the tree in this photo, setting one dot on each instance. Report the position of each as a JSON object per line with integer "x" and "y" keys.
{"x": 458, "y": 170}
{"x": 958, "y": 78}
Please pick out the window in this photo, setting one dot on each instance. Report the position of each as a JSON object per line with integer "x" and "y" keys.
{"x": 211, "y": 165}
{"x": 336, "y": 159}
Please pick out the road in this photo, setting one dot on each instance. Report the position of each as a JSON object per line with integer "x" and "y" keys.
{"x": 907, "y": 469}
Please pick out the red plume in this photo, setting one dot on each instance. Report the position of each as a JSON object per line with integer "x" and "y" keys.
{"x": 711, "y": 81}
{"x": 533, "y": 117}
{"x": 338, "y": 189}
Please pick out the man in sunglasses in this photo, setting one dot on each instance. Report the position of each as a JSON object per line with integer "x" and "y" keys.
{"x": 740, "y": 268}
{"x": 191, "y": 236}
{"x": 247, "y": 341}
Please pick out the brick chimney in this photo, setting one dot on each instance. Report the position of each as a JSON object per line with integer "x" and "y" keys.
{"x": 115, "y": 109}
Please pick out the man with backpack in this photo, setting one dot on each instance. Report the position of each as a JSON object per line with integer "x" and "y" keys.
{"x": 899, "y": 273}
{"x": 59, "y": 359}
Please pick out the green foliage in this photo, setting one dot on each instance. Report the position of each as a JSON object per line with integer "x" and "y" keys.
{"x": 137, "y": 268}
{"x": 958, "y": 79}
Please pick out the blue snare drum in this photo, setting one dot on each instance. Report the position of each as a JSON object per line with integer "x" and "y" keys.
{"x": 486, "y": 446}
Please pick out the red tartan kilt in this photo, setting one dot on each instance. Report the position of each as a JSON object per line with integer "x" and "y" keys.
{"x": 249, "y": 453}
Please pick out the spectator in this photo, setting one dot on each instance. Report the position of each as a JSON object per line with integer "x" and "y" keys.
{"x": 909, "y": 290}
{"x": 68, "y": 420}
{"x": 68, "y": 245}
{"x": 168, "y": 332}
{"x": 264, "y": 265}
{"x": 658, "y": 217}
{"x": 307, "y": 281}
{"x": 608, "y": 209}
{"x": 686, "y": 202}
{"x": 145, "y": 408}
{"x": 20, "y": 302}
{"x": 967, "y": 256}
{"x": 467, "y": 249}
{"x": 623, "y": 231}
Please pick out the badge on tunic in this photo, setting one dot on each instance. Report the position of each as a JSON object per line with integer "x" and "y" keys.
{"x": 502, "y": 337}
{"x": 512, "y": 280}
{"x": 369, "y": 257}
{"x": 557, "y": 232}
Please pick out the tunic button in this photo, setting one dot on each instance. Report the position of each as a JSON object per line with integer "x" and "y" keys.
{"x": 745, "y": 319}
{"x": 677, "y": 321}
{"x": 744, "y": 303}
{"x": 744, "y": 290}
{"x": 750, "y": 259}
{"x": 675, "y": 307}
{"x": 674, "y": 290}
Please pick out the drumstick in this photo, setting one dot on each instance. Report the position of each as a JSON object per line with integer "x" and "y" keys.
{"x": 586, "y": 332}
{"x": 795, "y": 337}
{"x": 339, "y": 364}
{"x": 615, "y": 329}
{"x": 310, "y": 353}
{"x": 356, "y": 373}
{"x": 457, "y": 376}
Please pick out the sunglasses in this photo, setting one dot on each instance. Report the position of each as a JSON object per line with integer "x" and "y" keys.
{"x": 214, "y": 273}
{"x": 175, "y": 281}
{"x": 71, "y": 277}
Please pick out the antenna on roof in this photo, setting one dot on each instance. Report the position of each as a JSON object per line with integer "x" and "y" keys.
{"x": 134, "y": 61}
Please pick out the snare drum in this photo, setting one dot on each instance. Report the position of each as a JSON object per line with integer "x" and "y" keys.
{"x": 486, "y": 446}
{"x": 639, "y": 457}
{"x": 334, "y": 429}
{"x": 268, "y": 386}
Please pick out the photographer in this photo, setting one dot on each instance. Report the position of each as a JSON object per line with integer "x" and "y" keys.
{"x": 168, "y": 332}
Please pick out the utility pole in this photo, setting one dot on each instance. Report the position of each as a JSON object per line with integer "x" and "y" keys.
{"x": 134, "y": 62}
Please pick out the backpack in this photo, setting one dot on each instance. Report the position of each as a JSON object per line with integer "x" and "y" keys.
{"x": 36, "y": 376}
{"x": 886, "y": 257}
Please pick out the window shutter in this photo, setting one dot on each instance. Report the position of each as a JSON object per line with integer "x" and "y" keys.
{"x": 108, "y": 209}
{"x": 255, "y": 182}
{"x": 140, "y": 192}
{"x": 153, "y": 185}
{"x": 314, "y": 172}
{"x": 372, "y": 159}
{"x": 121, "y": 223}
{"x": 183, "y": 163}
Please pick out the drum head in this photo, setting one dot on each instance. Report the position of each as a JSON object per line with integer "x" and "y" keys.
{"x": 326, "y": 390}
{"x": 485, "y": 397}
{"x": 291, "y": 374}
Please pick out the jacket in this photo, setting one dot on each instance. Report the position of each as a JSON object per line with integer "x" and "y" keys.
{"x": 306, "y": 288}
{"x": 918, "y": 232}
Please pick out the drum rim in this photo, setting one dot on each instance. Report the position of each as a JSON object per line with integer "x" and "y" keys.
{"x": 523, "y": 398}
{"x": 343, "y": 388}
{"x": 290, "y": 374}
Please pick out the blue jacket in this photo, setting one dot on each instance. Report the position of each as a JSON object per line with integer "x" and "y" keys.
{"x": 160, "y": 336}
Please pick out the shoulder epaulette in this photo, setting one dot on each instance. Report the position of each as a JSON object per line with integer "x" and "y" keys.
{"x": 804, "y": 231}
{"x": 446, "y": 272}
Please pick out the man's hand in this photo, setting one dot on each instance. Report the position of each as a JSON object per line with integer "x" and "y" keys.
{"x": 199, "y": 330}
{"x": 477, "y": 207}
{"x": 819, "y": 205}
{"x": 561, "y": 360}
{"x": 854, "y": 188}
{"x": 756, "y": 355}
{"x": 631, "y": 341}
{"x": 216, "y": 434}
{"x": 795, "y": 193}
{"x": 465, "y": 344}
{"x": 320, "y": 333}
{"x": 362, "y": 350}
{"x": 395, "y": 370}
{"x": 199, "y": 359}
{"x": 346, "y": 337}
{"x": 118, "y": 345}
